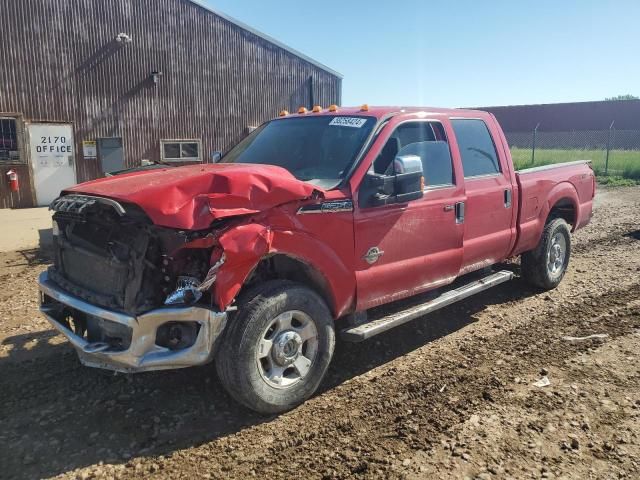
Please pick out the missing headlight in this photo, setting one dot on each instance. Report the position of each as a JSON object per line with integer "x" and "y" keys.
{"x": 190, "y": 289}
{"x": 187, "y": 292}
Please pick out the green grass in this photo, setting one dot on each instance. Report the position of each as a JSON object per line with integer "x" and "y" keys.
{"x": 624, "y": 164}
{"x": 617, "y": 181}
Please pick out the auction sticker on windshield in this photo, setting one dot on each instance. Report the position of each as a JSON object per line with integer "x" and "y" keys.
{"x": 355, "y": 122}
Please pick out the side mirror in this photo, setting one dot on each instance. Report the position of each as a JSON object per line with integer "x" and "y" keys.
{"x": 405, "y": 185}
{"x": 216, "y": 156}
{"x": 409, "y": 178}
{"x": 407, "y": 164}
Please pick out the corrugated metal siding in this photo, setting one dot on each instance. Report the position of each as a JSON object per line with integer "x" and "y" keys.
{"x": 565, "y": 117}
{"x": 61, "y": 62}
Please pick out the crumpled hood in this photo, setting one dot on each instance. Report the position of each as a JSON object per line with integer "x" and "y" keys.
{"x": 191, "y": 197}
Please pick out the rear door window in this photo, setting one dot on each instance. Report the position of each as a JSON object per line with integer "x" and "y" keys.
{"x": 477, "y": 150}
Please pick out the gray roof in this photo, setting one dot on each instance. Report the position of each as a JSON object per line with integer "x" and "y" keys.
{"x": 266, "y": 37}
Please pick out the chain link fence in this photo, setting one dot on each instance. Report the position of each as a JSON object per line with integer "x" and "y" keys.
{"x": 612, "y": 152}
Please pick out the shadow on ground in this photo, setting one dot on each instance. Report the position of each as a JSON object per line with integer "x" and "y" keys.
{"x": 58, "y": 415}
{"x": 30, "y": 257}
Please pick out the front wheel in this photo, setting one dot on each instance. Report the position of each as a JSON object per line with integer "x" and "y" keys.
{"x": 545, "y": 266}
{"x": 278, "y": 347}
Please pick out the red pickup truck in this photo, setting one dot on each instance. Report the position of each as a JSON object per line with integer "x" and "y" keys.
{"x": 296, "y": 233}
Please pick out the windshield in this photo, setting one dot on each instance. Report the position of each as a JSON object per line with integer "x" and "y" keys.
{"x": 318, "y": 150}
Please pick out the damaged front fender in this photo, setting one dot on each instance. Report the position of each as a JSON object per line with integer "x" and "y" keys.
{"x": 247, "y": 245}
{"x": 243, "y": 248}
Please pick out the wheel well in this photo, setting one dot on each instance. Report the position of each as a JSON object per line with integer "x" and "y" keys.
{"x": 285, "y": 267}
{"x": 565, "y": 209}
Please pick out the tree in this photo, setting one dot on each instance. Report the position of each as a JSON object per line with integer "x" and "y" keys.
{"x": 622, "y": 97}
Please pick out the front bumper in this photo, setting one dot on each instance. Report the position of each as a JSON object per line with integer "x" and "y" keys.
{"x": 142, "y": 353}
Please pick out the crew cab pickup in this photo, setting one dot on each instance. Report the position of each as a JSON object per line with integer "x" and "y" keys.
{"x": 296, "y": 233}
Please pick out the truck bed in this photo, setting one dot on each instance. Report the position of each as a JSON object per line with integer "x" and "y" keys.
{"x": 551, "y": 166}
{"x": 568, "y": 188}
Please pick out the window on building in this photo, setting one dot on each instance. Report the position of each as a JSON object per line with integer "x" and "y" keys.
{"x": 9, "y": 151}
{"x": 181, "y": 150}
{"x": 428, "y": 141}
{"x": 477, "y": 150}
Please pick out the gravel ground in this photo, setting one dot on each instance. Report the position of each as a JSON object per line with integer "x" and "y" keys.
{"x": 452, "y": 395}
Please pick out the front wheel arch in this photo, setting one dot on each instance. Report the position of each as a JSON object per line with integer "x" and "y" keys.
{"x": 282, "y": 266}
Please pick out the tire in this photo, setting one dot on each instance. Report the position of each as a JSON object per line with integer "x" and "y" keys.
{"x": 275, "y": 377}
{"x": 545, "y": 266}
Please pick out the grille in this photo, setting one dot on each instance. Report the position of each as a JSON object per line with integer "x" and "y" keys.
{"x": 107, "y": 253}
{"x": 78, "y": 204}
{"x": 103, "y": 260}
{"x": 98, "y": 275}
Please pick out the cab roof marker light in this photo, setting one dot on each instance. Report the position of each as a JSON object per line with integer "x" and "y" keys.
{"x": 364, "y": 108}
{"x": 316, "y": 109}
{"x": 283, "y": 113}
{"x": 333, "y": 108}
{"x": 302, "y": 110}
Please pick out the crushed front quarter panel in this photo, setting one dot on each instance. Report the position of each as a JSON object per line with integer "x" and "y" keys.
{"x": 324, "y": 246}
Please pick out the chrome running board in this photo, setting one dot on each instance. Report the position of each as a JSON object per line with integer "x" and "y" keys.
{"x": 371, "y": 328}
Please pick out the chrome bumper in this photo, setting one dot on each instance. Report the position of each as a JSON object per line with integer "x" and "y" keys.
{"x": 142, "y": 354}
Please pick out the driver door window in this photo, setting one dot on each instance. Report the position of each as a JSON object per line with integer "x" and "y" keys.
{"x": 428, "y": 141}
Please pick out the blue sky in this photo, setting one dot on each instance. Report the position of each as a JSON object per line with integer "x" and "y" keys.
{"x": 460, "y": 52}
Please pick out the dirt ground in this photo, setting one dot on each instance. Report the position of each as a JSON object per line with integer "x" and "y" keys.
{"x": 452, "y": 395}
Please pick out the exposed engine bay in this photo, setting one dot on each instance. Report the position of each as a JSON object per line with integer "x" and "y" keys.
{"x": 113, "y": 256}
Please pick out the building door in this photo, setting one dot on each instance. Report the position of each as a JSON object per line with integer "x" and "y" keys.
{"x": 110, "y": 154}
{"x": 52, "y": 156}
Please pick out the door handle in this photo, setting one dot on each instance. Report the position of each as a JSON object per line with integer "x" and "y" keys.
{"x": 459, "y": 212}
{"x": 507, "y": 198}
{"x": 448, "y": 208}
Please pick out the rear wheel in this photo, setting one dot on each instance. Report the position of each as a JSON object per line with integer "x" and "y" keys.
{"x": 545, "y": 266}
{"x": 278, "y": 347}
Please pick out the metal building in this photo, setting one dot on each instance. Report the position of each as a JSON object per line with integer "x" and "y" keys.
{"x": 88, "y": 86}
{"x": 562, "y": 117}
